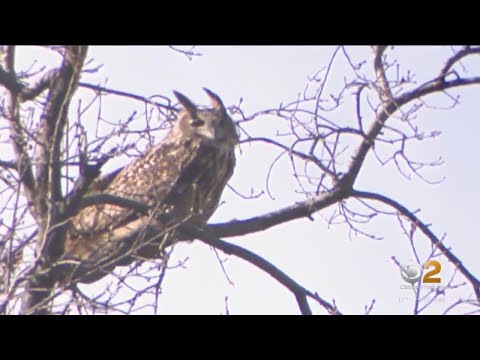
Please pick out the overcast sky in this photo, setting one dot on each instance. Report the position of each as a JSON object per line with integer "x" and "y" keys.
{"x": 353, "y": 272}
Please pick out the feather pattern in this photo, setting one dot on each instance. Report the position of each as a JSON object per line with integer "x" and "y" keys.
{"x": 183, "y": 178}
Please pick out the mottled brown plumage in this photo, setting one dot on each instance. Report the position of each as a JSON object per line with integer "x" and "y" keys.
{"x": 183, "y": 178}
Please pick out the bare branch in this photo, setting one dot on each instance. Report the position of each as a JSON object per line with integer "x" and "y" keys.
{"x": 102, "y": 89}
{"x": 389, "y": 108}
{"x": 48, "y": 177}
{"x": 190, "y": 54}
{"x": 9, "y": 80}
{"x": 98, "y": 199}
{"x": 299, "y": 154}
{"x": 385, "y": 92}
{"x": 51, "y": 129}
{"x": 45, "y": 82}
{"x": 8, "y": 165}
{"x": 466, "y": 51}
{"x": 19, "y": 142}
{"x": 427, "y": 232}
{"x": 301, "y": 294}
{"x": 24, "y": 92}
{"x": 289, "y": 213}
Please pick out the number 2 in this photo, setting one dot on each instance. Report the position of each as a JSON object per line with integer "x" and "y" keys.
{"x": 428, "y": 277}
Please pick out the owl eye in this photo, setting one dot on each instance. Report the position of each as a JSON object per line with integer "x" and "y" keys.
{"x": 197, "y": 122}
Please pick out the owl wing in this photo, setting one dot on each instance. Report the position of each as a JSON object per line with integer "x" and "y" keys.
{"x": 101, "y": 183}
{"x": 150, "y": 179}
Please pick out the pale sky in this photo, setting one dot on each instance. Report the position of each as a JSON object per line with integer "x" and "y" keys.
{"x": 321, "y": 258}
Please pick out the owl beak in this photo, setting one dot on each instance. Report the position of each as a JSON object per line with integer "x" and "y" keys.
{"x": 208, "y": 134}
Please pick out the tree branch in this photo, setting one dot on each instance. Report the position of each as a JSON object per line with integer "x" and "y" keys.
{"x": 299, "y": 154}
{"x": 385, "y": 93}
{"x": 289, "y": 213}
{"x": 102, "y": 89}
{"x": 22, "y": 159}
{"x": 466, "y": 51}
{"x": 389, "y": 108}
{"x": 299, "y": 291}
{"x": 51, "y": 129}
{"x": 45, "y": 82}
{"x": 427, "y": 232}
{"x": 89, "y": 174}
{"x": 206, "y": 236}
{"x": 50, "y": 241}
{"x": 8, "y": 165}
{"x": 9, "y": 80}
{"x": 99, "y": 199}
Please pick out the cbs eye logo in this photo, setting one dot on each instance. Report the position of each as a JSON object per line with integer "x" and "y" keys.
{"x": 412, "y": 273}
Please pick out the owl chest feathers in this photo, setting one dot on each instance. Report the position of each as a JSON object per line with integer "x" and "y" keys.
{"x": 183, "y": 178}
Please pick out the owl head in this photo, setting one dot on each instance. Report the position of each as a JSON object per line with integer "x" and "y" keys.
{"x": 212, "y": 126}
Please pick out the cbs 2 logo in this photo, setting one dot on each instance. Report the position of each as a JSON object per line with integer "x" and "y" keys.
{"x": 412, "y": 273}
{"x": 429, "y": 276}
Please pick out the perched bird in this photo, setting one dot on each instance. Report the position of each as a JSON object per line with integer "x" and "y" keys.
{"x": 181, "y": 180}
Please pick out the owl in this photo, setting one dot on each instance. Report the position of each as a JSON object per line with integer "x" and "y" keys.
{"x": 181, "y": 180}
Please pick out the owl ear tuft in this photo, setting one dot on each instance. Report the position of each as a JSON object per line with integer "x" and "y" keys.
{"x": 215, "y": 100}
{"x": 187, "y": 104}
